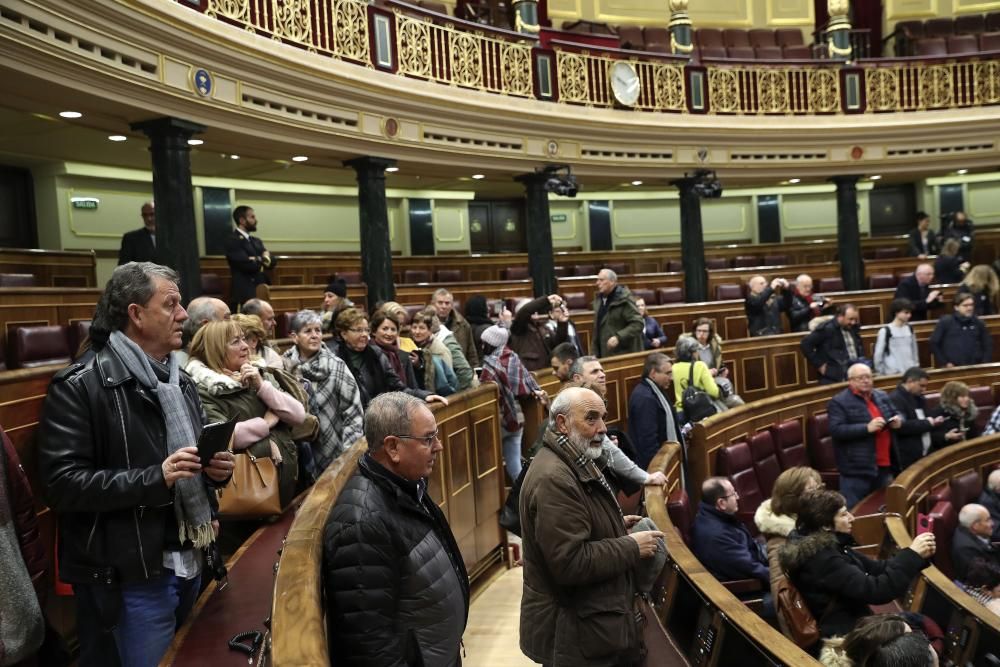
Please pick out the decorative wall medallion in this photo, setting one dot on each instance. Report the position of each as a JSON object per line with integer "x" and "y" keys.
{"x": 857, "y": 153}
{"x": 390, "y": 127}
{"x": 552, "y": 148}
{"x": 202, "y": 82}
{"x": 702, "y": 155}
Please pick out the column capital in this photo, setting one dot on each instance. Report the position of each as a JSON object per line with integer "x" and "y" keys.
{"x": 370, "y": 165}
{"x": 167, "y": 126}
{"x": 846, "y": 179}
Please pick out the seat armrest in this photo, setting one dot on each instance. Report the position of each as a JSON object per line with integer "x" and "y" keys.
{"x": 744, "y": 586}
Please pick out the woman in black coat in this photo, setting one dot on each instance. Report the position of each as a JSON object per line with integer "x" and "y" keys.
{"x": 836, "y": 582}
{"x": 949, "y": 267}
{"x": 959, "y": 412}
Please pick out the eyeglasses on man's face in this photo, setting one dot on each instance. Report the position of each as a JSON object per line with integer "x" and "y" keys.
{"x": 427, "y": 440}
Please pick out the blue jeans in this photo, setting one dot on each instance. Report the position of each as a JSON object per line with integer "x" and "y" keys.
{"x": 855, "y": 489}
{"x": 151, "y": 613}
{"x": 512, "y": 451}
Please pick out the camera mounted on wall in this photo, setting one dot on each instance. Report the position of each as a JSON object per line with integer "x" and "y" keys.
{"x": 705, "y": 183}
{"x": 560, "y": 180}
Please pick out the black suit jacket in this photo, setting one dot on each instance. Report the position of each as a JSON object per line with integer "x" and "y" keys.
{"x": 909, "y": 436}
{"x": 917, "y": 246}
{"x": 909, "y": 288}
{"x": 137, "y": 246}
{"x": 247, "y": 272}
{"x": 965, "y": 548}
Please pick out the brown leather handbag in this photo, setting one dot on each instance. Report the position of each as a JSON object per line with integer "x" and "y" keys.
{"x": 253, "y": 492}
{"x": 803, "y": 628}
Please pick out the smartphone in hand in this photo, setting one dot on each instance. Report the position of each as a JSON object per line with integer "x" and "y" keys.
{"x": 215, "y": 438}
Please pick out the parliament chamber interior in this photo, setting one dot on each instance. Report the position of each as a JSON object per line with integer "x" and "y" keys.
{"x": 513, "y": 150}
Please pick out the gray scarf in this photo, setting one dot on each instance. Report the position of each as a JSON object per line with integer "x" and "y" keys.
{"x": 668, "y": 415}
{"x": 194, "y": 516}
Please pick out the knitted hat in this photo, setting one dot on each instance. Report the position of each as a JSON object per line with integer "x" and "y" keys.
{"x": 338, "y": 287}
{"x": 495, "y": 336}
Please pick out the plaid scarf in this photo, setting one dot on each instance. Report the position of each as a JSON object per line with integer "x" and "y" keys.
{"x": 504, "y": 367}
{"x": 561, "y": 444}
{"x": 191, "y": 508}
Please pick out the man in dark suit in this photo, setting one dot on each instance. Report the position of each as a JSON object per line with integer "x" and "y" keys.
{"x": 140, "y": 245}
{"x": 917, "y": 289}
{"x": 833, "y": 346}
{"x": 652, "y": 419}
{"x": 247, "y": 257}
{"x": 972, "y": 540}
{"x": 913, "y": 439}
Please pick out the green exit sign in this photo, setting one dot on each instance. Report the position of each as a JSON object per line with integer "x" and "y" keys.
{"x": 89, "y": 203}
{"x": 560, "y": 217}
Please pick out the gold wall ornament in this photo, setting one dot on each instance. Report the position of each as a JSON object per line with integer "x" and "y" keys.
{"x": 350, "y": 29}
{"x": 466, "y": 62}
{"x": 823, "y": 86}
{"x": 413, "y": 44}
{"x": 772, "y": 90}
{"x": 882, "y": 87}
{"x": 986, "y": 81}
{"x": 237, "y": 10}
{"x": 668, "y": 87}
{"x": 515, "y": 69}
{"x": 936, "y": 89}
{"x": 574, "y": 83}
{"x": 723, "y": 90}
{"x": 292, "y": 20}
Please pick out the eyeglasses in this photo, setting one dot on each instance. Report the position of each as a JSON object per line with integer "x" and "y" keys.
{"x": 734, "y": 494}
{"x": 360, "y": 331}
{"x": 428, "y": 440}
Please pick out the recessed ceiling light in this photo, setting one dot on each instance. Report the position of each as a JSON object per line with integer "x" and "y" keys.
{"x": 962, "y": 171}
{"x": 793, "y": 181}
{"x": 234, "y": 157}
{"x": 117, "y": 137}
{"x": 299, "y": 158}
{"x": 195, "y": 142}
{"x": 479, "y": 177}
{"x": 875, "y": 177}
{"x": 636, "y": 182}
{"x": 392, "y": 170}
{"x": 70, "y": 114}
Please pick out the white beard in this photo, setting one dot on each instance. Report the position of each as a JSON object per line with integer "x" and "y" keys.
{"x": 594, "y": 451}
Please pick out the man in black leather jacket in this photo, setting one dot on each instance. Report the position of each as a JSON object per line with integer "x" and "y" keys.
{"x": 119, "y": 466}
{"x": 397, "y": 592}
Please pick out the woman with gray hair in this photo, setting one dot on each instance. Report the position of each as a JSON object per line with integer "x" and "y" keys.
{"x": 690, "y": 369}
{"x": 334, "y": 397}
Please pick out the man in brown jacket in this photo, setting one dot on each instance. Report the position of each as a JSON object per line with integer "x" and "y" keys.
{"x": 577, "y": 607}
{"x": 444, "y": 308}
{"x": 617, "y": 323}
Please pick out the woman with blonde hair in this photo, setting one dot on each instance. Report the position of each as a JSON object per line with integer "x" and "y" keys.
{"x": 231, "y": 385}
{"x": 432, "y": 360}
{"x": 982, "y": 283}
{"x": 949, "y": 267}
{"x": 959, "y": 412}
{"x": 775, "y": 517}
{"x": 396, "y": 311}
{"x": 253, "y": 330}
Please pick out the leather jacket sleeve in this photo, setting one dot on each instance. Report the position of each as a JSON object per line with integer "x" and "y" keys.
{"x": 70, "y": 463}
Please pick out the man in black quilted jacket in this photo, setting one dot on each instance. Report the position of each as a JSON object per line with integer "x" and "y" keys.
{"x": 397, "y": 592}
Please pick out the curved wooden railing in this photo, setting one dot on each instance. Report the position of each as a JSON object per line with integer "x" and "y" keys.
{"x": 970, "y": 630}
{"x": 707, "y": 622}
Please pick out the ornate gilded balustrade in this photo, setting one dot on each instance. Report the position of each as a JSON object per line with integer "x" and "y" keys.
{"x": 396, "y": 37}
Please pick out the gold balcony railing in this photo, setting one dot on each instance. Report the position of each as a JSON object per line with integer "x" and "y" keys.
{"x": 918, "y": 86}
{"x": 585, "y": 79}
{"x": 773, "y": 90}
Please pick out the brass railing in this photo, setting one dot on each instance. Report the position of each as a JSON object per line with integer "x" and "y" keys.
{"x": 774, "y": 90}
{"x": 585, "y": 79}
{"x": 920, "y": 85}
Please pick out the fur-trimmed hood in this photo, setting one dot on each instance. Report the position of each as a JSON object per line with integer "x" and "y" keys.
{"x": 215, "y": 383}
{"x": 832, "y": 654}
{"x": 771, "y": 524}
{"x": 800, "y": 548}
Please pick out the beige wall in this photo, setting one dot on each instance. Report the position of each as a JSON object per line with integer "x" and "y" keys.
{"x": 921, "y": 10}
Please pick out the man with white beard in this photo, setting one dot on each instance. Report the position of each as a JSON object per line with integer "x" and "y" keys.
{"x": 579, "y": 558}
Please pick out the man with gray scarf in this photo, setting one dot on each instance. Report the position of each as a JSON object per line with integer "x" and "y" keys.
{"x": 119, "y": 465}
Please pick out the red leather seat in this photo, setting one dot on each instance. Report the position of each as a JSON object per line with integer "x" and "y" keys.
{"x": 945, "y": 521}
{"x": 679, "y": 510}
{"x": 283, "y": 324}
{"x": 736, "y": 463}
{"x": 735, "y": 37}
{"x": 665, "y": 295}
{"x": 740, "y": 53}
{"x": 789, "y": 37}
{"x": 620, "y": 268}
{"x": 712, "y": 51}
{"x": 77, "y": 332}
{"x": 932, "y": 46}
{"x": 33, "y": 346}
{"x": 708, "y": 37}
{"x": 584, "y": 270}
{"x": 993, "y": 22}
{"x": 762, "y": 37}
{"x": 412, "y": 310}
{"x": 630, "y": 37}
{"x": 911, "y": 29}
{"x": 820, "y": 447}
{"x": 900, "y": 277}
{"x": 989, "y": 41}
{"x": 830, "y": 285}
{"x": 939, "y": 27}
{"x": 655, "y": 35}
{"x": 672, "y": 265}
{"x": 350, "y": 277}
{"x": 768, "y": 53}
{"x": 765, "y": 461}
{"x": 728, "y": 292}
{"x": 576, "y": 300}
{"x": 796, "y": 52}
{"x": 448, "y": 275}
{"x": 775, "y": 260}
{"x": 932, "y": 399}
{"x": 563, "y": 271}
{"x": 965, "y": 488}
{"x": 515, "y": 273}
{"x": 970, "y": 24}
{"x": 416, "y": 276}
{"x": 789, "y": 444}
{"x": 716, "y": 263}
{"x": 18, "y": 280}
{"x": 983, "y": 398}
{"x": 744, "y": 261}
{"x": 647, "y": 295}
{"x": 886, "y": 253}
{"x": 211, "y": 285}
{"x": 962, "y": 44}
{"x": 881, "y": 281}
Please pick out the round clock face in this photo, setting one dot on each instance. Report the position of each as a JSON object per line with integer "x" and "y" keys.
{"x": 625, "y": 83}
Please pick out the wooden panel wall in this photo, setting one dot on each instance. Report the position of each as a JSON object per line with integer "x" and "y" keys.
{"x": 52, "y": 268}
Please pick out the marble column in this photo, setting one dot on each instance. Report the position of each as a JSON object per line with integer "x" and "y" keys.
{"x": 852, "y": 268}
{"x": 376, "y": 247}
{"x": 692, "y": 242}
{"x": 541, "y": 265}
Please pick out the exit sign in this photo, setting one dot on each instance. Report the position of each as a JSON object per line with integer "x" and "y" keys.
{"x": 89, "y": 203}
{"x": 560, "y": 217}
